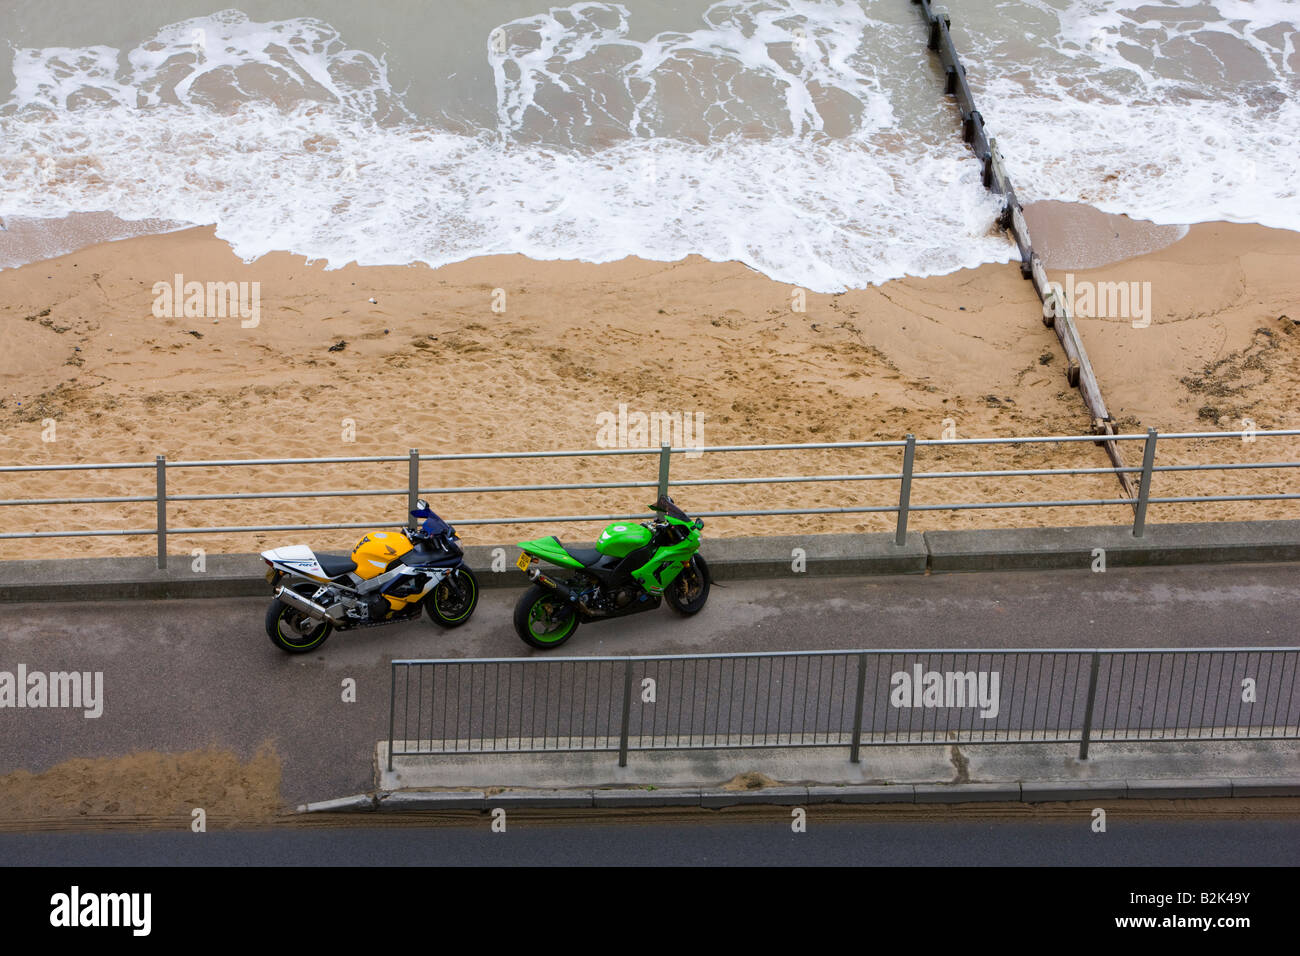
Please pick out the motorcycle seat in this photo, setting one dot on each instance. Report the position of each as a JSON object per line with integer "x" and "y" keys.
{"x": 586, "y": 556}
{"x": 336, "y": 565}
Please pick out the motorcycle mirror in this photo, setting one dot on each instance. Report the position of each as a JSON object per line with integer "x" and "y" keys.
{"x": 421, "y": 505}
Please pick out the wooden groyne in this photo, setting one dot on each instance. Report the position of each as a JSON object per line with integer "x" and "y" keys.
{"x": 1056, "y": 313}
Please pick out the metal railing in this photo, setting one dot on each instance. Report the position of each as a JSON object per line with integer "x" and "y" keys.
{"x": 849, "y": 699}
{"x": 413, "y": 489}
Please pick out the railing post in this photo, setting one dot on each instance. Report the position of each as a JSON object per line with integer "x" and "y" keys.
{"x": 857, "y": 708}
{"x": 665, "y": 456}
{"x": 160, "y": 527}
{"x": 627, "y": 710}
{"x": 412, "y": 485}
{"x": 1144, "y": 485}
{"x": 1087, "y": 713}
{"x": 392, "y": 711}
{"x": 905, "y": 491}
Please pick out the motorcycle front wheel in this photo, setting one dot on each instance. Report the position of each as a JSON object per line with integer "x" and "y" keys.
{"x": 292, "y": 631}
{"x": 690, "y": 589}
{"x": 543, "y": 619}
{"x": 447, "y": 607}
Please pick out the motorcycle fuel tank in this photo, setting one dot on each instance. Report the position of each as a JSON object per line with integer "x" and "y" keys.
{"x": 621, "y": 539}
{"x": 377, "y": 550}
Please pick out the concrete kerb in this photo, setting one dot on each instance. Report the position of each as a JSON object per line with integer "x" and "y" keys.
{"x": 812, "y": 776}
{"x": 1052, "y": 791}
{"x": 1178, "y": 789}
{"x": 399, "y": 800}
{"x": 767, "y": 796}
{"x": 889, "y": 793}
{"x": 667, "y": 797}
{"x": 360, "y": 802}
{"x": 967, "y": 792}
{"x": 1163, "y": 544}
{"x": 1266, "y": 786}
{"x": 242, "y": 575}
{"x": 732, "y": 559}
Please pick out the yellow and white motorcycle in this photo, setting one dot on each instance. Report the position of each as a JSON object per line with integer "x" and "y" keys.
{"x": 389, "y": 577}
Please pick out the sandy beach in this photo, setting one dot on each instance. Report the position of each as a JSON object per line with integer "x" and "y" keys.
{"x": 378, "y": 360}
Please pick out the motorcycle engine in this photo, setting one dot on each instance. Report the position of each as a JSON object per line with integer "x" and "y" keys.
{"x": 622, "y": 598}
{"x": 375, "y": 607}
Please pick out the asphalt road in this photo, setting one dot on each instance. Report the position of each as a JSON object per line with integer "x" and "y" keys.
{"x": 769, "y": 843}
{"x": 182, "y": 675}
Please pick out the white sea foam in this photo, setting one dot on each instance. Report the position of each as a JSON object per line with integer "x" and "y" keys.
{"x": 331, "y": 187}
{"x": 288, "y": 140}
{"x": 787, "y": 134}
{"x": 1177, "y": 112}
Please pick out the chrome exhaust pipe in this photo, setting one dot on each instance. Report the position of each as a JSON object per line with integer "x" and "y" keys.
{"x": 317, "y": 612}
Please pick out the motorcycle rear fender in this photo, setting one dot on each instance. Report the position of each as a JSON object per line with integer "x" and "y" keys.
{"x": 550, "y": 549}
{"x": 296, "y": 559}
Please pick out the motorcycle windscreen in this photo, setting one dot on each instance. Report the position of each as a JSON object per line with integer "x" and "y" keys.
{"x": 433, "y": 525}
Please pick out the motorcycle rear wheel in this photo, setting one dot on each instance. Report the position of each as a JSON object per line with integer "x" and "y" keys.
{"x": 536, "y": 620}
{"x": 285, "y": 627}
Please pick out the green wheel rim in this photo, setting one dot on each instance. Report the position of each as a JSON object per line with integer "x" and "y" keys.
{"x": 469, "y": 601}
{"x": 307, "y": 641}
{"x": 537, "y": 615}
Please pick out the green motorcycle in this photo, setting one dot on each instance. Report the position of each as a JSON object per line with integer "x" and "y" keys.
{"x": 632, "y": 568}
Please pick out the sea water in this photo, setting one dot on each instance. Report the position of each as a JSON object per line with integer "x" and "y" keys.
{"x": 808, "y": 139}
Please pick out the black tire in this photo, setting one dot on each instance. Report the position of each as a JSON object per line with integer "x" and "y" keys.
{"x": 690, "y": 589}
{"x": 284, "y": 628}
{"x": 538, "y": 605}
{"x": 443, "y": 605}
